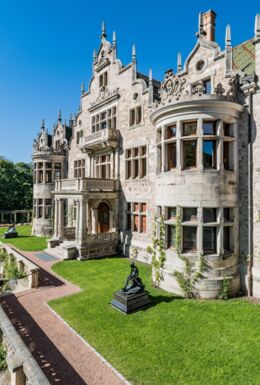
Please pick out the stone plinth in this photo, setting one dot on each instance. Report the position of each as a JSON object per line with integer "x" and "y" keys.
{"x": 128, "y": 303}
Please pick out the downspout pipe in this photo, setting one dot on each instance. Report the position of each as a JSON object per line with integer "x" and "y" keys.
{"x": 250, "y": 197}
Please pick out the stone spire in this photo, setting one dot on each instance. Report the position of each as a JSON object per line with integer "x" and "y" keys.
{"x": 59, "y": 116}
{"x": 82, "y": 88}
{"x": 228, "y": 36}
{"x": 179, "y": 62}
{"x": 114, "y": 47}
{"x": 150, "y": 87}
{"x": 133, "y": 63}
{"x": 257, "y": 25}
{"x": 43, "y": 125}
{"x": 228, "y": 51}
{"x": 103, "y": 31}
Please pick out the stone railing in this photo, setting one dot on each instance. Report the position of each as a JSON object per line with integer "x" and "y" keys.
{"x": 22, "y": 366}
{"x": 29, "y": 269}
{"x": 106, "y": 136}
{"x": 101, "y": 238}
{"x": 85, "y": 184}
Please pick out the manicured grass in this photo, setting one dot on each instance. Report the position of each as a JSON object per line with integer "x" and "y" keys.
{"x": 175, "y": 342}
{"x": 25, "y": 241}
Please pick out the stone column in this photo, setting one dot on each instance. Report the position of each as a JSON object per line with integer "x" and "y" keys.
{"x": 82, "y": 221}
{"x": 220, "y": 248}
{"x": 90, "y": 166}
{"x": 200, "y": 231}
{"x": 111, "y": 221}
{"x": 163, "y": 150}
{"x": 94, "y": 221}
{"x": 44, "y": 172}
{"x": 77, "y": 221}
{"x": 220, "y": 164}
{"x": 178, "y": 147}
{"x": 200, "y": 146}
{"x": 56, "y": 217}
{"x": 113, "y": 168}
{"x": 61, "y": 218}
{"x": 117, "y": 164}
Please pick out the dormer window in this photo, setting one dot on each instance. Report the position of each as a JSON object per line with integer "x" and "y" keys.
{"x": 103, "y": 80}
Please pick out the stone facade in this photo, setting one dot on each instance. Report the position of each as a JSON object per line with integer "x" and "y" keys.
{"x": 139, "y": 148}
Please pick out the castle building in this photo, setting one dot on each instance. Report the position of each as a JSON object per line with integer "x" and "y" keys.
{"x": 140, "y": 148}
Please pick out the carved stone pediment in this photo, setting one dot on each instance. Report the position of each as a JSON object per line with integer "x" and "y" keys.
{"x": 173, "y": 86}
{"x": 105, "y": 95}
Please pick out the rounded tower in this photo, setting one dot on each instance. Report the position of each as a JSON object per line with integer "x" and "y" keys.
{"x": 49, "y": 158}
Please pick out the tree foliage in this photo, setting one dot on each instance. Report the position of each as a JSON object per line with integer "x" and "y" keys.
{"x": 16, "y": 183}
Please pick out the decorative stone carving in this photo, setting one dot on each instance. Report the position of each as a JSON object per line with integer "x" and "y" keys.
{"x": 104, "y": 94}
{"x": 198, "y": 88}
{"x": 234, "y": 87}
{"x": 173, "y": 86}
{"x": 219, "y": 90}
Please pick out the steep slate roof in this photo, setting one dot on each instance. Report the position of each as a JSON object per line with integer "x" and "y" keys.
{"x": 244, "y": 57}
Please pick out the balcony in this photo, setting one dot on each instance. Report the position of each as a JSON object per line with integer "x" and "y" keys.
{"x": 107, "y": 137}
{"x": 84, "y": 184}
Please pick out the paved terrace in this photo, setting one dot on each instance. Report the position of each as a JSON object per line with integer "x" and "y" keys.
{"x": 61, "y": 354}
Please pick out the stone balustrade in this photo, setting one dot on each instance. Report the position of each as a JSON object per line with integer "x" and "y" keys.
{"x": 85, "y": 184}
{"x": 101, "y": 238}
{"x": 23, "y": 368}
{"x": 29, "y": 269}
{"x": 106, "y": 136}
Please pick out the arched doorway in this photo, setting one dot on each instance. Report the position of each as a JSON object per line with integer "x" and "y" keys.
{"x": 103, "y": 218}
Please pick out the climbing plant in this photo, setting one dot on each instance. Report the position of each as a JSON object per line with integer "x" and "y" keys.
{"x": 157, "y": 249}
{"x": 10, "y": 270}
{"x": 3, "y": 364}
{"x": 190, "y": 275}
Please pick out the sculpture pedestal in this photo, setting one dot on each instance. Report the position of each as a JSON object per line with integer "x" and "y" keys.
{"x": 10, "y": 235}
{"x": 128, "y": 303}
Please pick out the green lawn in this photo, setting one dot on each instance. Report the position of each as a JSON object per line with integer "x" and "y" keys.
{"x": 25, "y": 241}
{"x": 176, "y": 342}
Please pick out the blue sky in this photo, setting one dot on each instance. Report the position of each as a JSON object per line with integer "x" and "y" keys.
{"x": 46, "y": 51}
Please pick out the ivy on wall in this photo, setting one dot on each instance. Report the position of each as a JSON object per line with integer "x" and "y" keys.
{"x": 190, "y": 275}
{"x": 157, "y": 249}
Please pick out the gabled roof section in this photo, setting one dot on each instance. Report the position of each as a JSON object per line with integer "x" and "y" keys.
{"x": 244, "y": 57}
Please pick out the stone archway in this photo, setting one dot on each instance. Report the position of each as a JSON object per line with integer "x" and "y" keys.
{"x": 103, "y": 218}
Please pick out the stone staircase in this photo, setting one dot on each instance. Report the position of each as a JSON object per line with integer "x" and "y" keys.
{"x": 65, "y": 250}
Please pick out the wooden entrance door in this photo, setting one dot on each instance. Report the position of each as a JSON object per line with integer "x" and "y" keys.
{"x": 103, "y": 218}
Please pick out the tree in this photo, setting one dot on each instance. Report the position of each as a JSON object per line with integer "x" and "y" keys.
{"x": 16, "y": 183}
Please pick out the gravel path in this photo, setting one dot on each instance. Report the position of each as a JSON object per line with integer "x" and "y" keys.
{"x": 64, "y": 358}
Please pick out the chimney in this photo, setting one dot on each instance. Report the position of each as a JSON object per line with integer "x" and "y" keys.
{"x": 209, "y": 24}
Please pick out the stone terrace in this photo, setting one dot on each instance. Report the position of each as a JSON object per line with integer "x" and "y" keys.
{"x": 61, "y": 353}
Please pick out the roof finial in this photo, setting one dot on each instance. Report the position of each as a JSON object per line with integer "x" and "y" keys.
{"x": 59, "y": 116}
{"x": 200, "y": 26}
{"x": 179, "y": 62}
{"x": 133, "y": 54}
{"x": 82, "y": 88}
{"x": 257, "y": 25}
{"x": 94, "y": 55}
{"x": 150, "y": 76}
{"x": 103, "y": 31}
{"x": 228, "y": 35}
{"x": 114, "y": 39}
{"x": 43, "y": 124}
{"x": 114, "y": 46}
